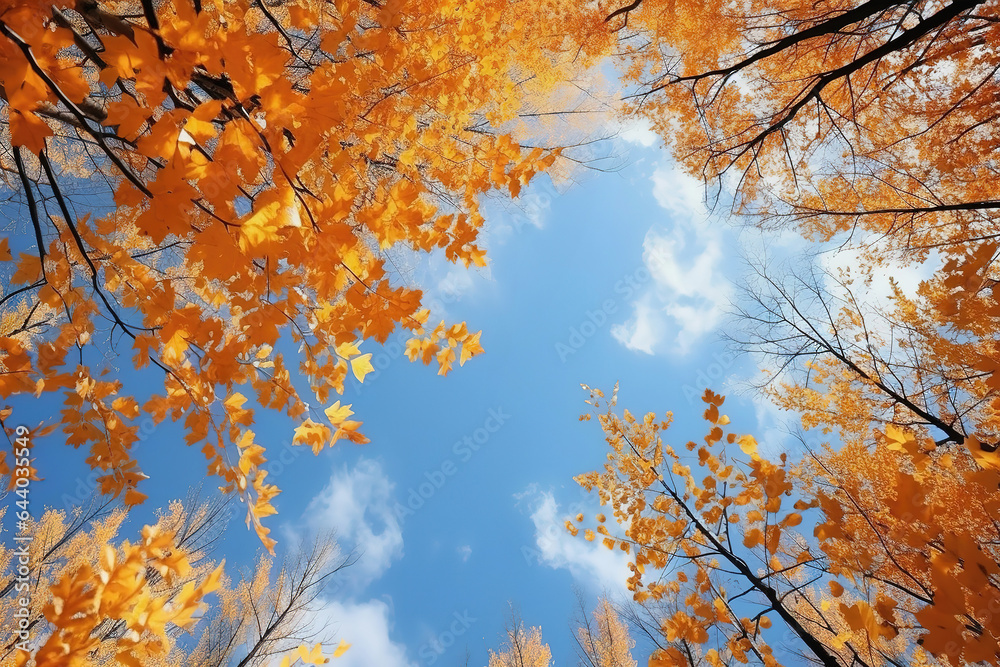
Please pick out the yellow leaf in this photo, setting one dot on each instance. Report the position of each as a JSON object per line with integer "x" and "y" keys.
{"x": 470, "y": 348}
{"x": 860, "y": 616}
{"x": 362, "y": 366}
{"x": 747, "y": 444}
{"x": 28, "y": 130}
{"x": 478, "y": 256}
{"x": 312, "y": 434}
{"x": 29, "y": 269}
{"x": 348, "y": 350}
{"x": 445, "y": 358}
{"x": 212, "y": 581}
{"x": 235, "y": 401}
{"x": 753, "y": 537}
{"x": 312, "y": 656}
{"x": 133, "y": 497}
{"x": 341, "y": 649}
{"x": 985, "y": 459}
{"x": 337, "y": 414}
{"x": 245, "y": 440}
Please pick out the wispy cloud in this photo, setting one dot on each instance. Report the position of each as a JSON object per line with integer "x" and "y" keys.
{"x": 357, "y": 506}
{"x": 591, "y": 563}
{"x": 877, "y": 290}
{"x": 366, "y": 626}
{"x": 644, "y": 329}
{"x": 637, "y": 130}
{"x": 689, "y": 292}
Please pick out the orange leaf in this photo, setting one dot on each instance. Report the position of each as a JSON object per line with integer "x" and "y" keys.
{"x": 28, "y": 130}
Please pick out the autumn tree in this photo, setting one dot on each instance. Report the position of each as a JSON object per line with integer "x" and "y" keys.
{"x": 872, "y": 124}
{"x": 849, "y": 365}
{"x": 77, "y": 598}
{"x": 901, "y": 567}
{"x": 215, "y": 184}
{"x": 521, "y": 647}
{"x": 602, "y": 638}
{"x": 76, "y": 559}
{"x": 915, "y": 523}
{"x": 266, "y": 615}
{"x": 876, "y": 116}
{"x": 910, "y": 389}
{"x": 62, "y": 541}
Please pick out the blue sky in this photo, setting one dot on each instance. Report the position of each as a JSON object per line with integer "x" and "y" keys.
{"x": 457, "y": 504}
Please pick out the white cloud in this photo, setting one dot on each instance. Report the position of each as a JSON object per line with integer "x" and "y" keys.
{"x": 638, "y": 130}
{"x": 454, "y": 284}
{"x": 679, "y": 193}
{"x": 464, "y": 552}
{"x": 643, "y": 330}
{"x": 688, "y": 292}
{"x": 444, "y": 283}
{"x": 590, "y": 563}
{"x": 366, "y": 626}
{"x": 357, "y": 505}
{"x": 878, "y": 289}
{"x": 775, "y": 426}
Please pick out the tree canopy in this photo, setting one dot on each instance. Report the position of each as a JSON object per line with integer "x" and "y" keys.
{"x": 211, "y": 183}
{"x": 221, "y": 191}
{"x": 899, "y": 564}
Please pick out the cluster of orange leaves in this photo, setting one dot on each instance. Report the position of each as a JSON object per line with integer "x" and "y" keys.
{"x": 903, "y": 538}
{"x": 521, "y": 648}
{"x": 835, "y": 117}
{"x": 262, "y": 161}
{"x": 95, "y": 600}
{"x": 118, "y": 590}
{"x": 911, "y": 526}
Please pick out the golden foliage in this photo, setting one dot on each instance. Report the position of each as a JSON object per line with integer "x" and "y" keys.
{"x": 82, "y": 600}
{"x": 903, "y": 538}
{"x": 604, "y": 639}
{"x": 835, "y": 117}
{"x": 87, "y": 598}
{"x": 261, "y": 159}
{"x": 521, "y": 648}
